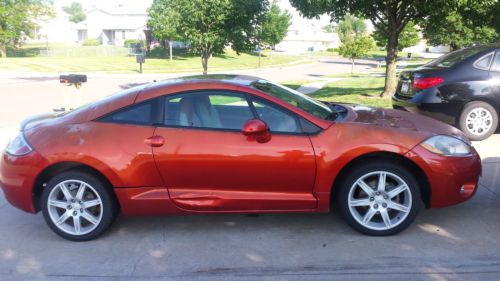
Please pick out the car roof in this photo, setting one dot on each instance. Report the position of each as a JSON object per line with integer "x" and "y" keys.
{"x": 234, "y": 79}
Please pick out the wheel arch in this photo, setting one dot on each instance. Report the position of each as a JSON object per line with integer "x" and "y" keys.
{"x": 60, "y": 167}
{"x": 420, "y": 175}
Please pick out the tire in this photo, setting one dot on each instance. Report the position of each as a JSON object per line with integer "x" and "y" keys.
{"x": 81, "y": 216}
{"x": 478, "y": 120}
{"x": 357, "y": 201}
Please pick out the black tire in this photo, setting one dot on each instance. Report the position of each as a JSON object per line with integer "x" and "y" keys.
{"x": 357, "y": 172}
{"x": 106, "y": 211}
{"x": 462, "y": 122}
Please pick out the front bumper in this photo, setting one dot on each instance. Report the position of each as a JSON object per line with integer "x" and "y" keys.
{"x": 17, "y": 178}
{"x": 426, "y": 104}
{"x": 452, "y": 180}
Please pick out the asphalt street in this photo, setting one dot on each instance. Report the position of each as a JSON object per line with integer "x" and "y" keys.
{"x": 455, "y": 243}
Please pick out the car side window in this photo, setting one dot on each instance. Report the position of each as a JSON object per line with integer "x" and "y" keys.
{"x": 277, "y": 119}
{"x": 140, "y": 114}
{"x": 211, "y": 110}
{"x": 496, "y": 63}
{"x": 484, "y": 62}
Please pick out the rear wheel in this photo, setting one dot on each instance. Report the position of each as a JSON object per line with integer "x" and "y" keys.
{"x": 478, "y": 120}
{"x": 78, "y": 206}
{"x": 379, "y": 198}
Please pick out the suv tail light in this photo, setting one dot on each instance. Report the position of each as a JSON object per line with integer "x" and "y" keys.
{"x": 427, "y": 82}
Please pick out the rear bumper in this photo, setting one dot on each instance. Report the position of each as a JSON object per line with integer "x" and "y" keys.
{"x": 429, "y": 105}
{"x": 452, "y": 180}
{"x": 17, "y": 178}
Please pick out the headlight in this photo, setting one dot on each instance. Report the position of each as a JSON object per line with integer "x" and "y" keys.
{"x": 18, "y": 146}
{"x": 447, "y": 146}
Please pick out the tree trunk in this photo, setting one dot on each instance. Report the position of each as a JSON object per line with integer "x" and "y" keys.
{"x": 170, "y": 43}
{"x": 352, "y": 66}
{"x": 260, "y": 55}
{"x": 205, "y": 55}
{"x": 3, "y": 51}
{"x": 391, "y": 80}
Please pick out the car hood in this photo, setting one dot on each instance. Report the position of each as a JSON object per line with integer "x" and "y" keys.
{"x": 397, "y": 119}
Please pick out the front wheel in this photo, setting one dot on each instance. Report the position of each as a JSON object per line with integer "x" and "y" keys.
{"x": 78, "y": 206}
{"x": 379, "y": 198}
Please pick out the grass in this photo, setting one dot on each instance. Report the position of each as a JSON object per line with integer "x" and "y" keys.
{"x": 112, "y": 59}
{"x": 362, "y": 90}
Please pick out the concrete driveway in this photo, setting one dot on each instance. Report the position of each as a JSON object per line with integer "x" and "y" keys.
{"x": 456, "y": 243}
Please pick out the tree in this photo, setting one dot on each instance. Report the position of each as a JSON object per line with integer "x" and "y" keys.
{"x": 164, "y": 23}
{"x": 18, "y": 21}
{"x": 461, "y": 23}
{"x": 210, "y": 26}
{"x": 328, "y": 28}
{"x": 75, "y": 12}
{"x": 407, "y": 38}
{"x": 355, "y": 46}
{"x": 274, "y": 27}
{"x": 390, "y": 17}
{"x": 350, "y": 26}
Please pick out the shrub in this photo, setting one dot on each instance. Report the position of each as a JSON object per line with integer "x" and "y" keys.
{"x": 129, "y": 43}
{"x": 91, "y": 42}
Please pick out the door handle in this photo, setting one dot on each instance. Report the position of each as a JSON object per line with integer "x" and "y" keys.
{"x": 155, "y": 141}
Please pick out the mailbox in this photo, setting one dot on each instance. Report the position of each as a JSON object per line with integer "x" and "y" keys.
{"x": 73, "y": 79}
{"x": 140, "y": 58}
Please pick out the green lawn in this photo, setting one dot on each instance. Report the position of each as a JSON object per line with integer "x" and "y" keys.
{"x": 115, "y": 60}
{"x": 362, "y": 90}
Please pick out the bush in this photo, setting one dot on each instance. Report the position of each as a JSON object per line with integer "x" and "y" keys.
{"x": 129, "y": 43}
{"x": 91, "y": 42}
{"x": 330, "y": 49}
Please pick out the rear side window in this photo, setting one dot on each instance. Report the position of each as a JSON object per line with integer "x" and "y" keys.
{"x": 140, "y": 114}
{"x": 453, "y": 58}
{"x": 496, "y": 63}
{"x": 484, "y": 62}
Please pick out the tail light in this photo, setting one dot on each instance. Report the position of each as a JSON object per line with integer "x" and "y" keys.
{"x": 18, "y": 146}
{"x": 426, "y": 82}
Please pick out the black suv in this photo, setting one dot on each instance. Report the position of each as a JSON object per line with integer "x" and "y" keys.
{"x": 461, "y": 88}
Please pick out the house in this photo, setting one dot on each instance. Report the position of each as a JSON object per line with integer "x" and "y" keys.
{"x": 306, "y": 34}
{"x": 111, "y": 22}
{"x": 112, "y": 27}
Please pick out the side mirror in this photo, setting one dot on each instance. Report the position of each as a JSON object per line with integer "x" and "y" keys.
{"x": 257, "y": 130}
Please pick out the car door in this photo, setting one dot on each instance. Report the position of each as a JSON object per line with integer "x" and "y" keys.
{"x": 495, "y": 78}
{"x": 209, "y": 165}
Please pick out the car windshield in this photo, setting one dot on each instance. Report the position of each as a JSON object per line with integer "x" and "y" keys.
{"x": 295, "y": 98}
{"x": 453, "y": 58}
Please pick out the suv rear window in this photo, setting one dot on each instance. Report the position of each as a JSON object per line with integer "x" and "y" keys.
{"x": 453, "y": 58}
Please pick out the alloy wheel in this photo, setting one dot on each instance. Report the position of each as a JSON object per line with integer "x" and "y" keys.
{"x": 380, "y": 200}
{"x": 75, "y": 207}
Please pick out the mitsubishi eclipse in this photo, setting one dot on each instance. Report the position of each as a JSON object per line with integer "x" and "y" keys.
{"x": 233, "y": 144}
